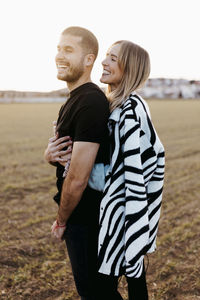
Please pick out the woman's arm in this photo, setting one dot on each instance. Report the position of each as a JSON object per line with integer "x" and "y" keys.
{"x": 54, "y": 152}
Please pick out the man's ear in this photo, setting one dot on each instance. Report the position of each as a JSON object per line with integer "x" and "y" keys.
{"x": 89, "y": 60}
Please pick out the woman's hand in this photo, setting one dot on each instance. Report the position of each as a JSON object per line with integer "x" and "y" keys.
{"x": 54, "y": 151}
{"x": 66, "y": 157}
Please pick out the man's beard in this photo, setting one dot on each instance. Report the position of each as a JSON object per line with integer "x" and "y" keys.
{"x": 73, "y": 74}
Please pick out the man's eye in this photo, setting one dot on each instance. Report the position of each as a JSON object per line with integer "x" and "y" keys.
{"x": 67, "y": 50}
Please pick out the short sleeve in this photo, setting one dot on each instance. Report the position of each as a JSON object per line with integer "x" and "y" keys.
{"x": 91, "y": 119}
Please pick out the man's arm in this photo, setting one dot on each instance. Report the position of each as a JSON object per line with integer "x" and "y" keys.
{"x": 82, "y": 161}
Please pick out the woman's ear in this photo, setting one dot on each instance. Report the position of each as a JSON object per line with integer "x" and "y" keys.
{"x": 89, "y": 60}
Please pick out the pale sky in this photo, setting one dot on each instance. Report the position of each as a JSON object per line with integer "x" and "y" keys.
{"x": 30, "y": 30}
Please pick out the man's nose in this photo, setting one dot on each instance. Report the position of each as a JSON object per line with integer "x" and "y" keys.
{"x": 59, "y": 55}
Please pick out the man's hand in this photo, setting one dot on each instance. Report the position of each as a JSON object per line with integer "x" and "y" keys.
{"x": 57, "y": 230}
{"x": 54, "y": 151}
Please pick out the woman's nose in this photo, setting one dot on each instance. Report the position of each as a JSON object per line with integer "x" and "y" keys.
{"x": 104, "y": 62}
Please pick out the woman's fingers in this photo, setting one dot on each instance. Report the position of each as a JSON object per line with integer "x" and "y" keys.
{"x": 55, "y": 141}
{"x": 55, "y": 152}
{"x": 62, "y": 139}
{"x": 63, "y": 163}
{"x": 52, "y": 139}
{"x": 63, "y": 153}
{"x": 63, "y": 145}
{"x": 57, "y": 155}
{"x": 66, "y": 157}
{"x": 54, "y": 128}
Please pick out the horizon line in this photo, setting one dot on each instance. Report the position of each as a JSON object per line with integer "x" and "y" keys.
{"x": 101, "y": 86}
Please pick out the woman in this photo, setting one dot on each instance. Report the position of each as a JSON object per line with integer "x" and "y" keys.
{"x": 130, "y": 208}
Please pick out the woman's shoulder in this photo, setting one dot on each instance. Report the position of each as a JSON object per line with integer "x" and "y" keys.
{"x": 137, "y": 104}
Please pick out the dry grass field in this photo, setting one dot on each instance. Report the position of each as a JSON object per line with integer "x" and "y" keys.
{"x": 33, "y": 267}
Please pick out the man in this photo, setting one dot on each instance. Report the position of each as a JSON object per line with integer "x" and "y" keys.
{"x": 84, "y": 118}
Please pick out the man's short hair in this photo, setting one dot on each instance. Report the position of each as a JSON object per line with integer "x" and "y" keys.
{"x": 89, "y": 42}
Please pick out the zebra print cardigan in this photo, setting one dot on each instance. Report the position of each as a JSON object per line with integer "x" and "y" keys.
{"x": 130, "y": 208}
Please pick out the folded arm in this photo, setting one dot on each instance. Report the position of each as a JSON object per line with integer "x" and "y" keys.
{"x": 82, "y": 161}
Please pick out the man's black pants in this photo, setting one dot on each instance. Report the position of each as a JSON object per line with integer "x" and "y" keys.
{"x": 81, "y": 241}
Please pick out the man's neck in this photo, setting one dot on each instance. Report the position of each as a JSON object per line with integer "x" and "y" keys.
{"x": 73, "y": 85}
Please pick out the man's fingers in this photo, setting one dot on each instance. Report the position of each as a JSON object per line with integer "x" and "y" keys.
{"x": 57, "y": 234}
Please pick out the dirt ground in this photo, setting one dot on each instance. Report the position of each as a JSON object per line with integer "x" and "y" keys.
{"x": 33, "y": 267}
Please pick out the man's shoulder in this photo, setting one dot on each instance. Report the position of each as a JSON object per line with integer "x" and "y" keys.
{"x": 94, "y": 97}
{"x": 96, "y": 92}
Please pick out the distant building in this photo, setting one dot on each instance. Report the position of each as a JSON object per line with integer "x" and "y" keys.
{"x": 156, "y": 88}
{"x": 162, "y": 88}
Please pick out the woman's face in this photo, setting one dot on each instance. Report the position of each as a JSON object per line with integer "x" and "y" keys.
{"x": 112, "y": 74}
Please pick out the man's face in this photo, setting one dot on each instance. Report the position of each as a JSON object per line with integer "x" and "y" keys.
{"x": 70, "y": 58}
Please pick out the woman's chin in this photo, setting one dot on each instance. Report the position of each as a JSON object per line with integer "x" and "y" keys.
{"x": 103, "y": 80}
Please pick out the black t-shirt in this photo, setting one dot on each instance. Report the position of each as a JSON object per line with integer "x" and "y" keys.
{"x": 84, "y": 117}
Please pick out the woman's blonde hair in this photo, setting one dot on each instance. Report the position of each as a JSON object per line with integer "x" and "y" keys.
{"x": 134, "y": 62}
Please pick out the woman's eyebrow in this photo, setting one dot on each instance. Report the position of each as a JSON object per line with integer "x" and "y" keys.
{"x": 113, "y": 55}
